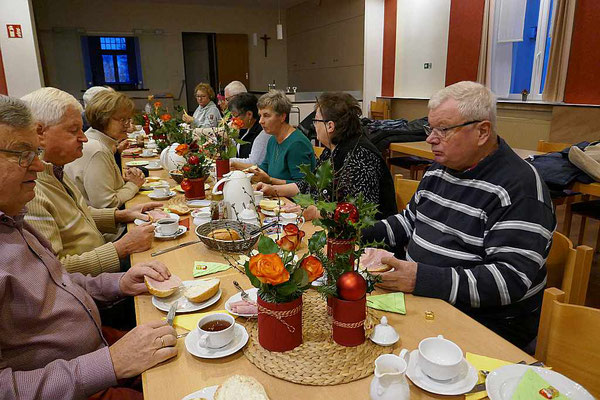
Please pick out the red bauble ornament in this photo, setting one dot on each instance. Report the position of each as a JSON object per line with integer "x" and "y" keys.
{"x": 351, "y": 286}
{"x": 193, "y": 160}
{"x": 348, "y": 209}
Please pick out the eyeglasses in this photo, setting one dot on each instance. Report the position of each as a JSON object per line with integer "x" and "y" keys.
{"x": 314, "y": 121}
{"x": 25, "y": 157}
{"x": 123, "y": 121}
{"x": 443, "y": 133}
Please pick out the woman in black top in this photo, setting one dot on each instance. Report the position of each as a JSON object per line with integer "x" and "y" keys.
{"x": 358, "y": 165}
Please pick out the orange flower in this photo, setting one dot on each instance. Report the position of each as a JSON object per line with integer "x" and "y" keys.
{"x": 157, "y": 104}
{"x": 237, "y": 122}
{"x": 313, "y": 266}
{"x": 291, "y": 240}
{"x": 182, "y": 149}
{"x": 166, "y": 117}
{"x": 269, "y": 268}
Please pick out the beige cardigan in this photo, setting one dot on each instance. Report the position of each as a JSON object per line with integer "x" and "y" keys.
{"x": 97, "y": 175}
{"x": 60, "y": 214}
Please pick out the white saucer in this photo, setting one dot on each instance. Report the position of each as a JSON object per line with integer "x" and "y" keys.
{"x": 184, "y": 305}
{"x": 151, "y": 155}
{"x": 153, "y": 197}
{"x": 501, "y": 383}
{"x": 198, "y": 203}
{"x": 139, "y": 222}
{"x": 207, "y": 393}
{"x": 465, "y": 381}
{"x": 252, "y": 293}
{"x": 268, "y": 213}
{"x": 153, "y": 167}
{"x": 137, "y": 163}
{"x": 152, "y": 185}
{"x": 180, "y": 231}
{"x": 239, "y": 341}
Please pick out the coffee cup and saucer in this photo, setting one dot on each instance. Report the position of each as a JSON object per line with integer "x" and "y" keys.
{"x": 148, "y": 153}
{"x": 438, "y": 366}
{"x": 161, "y": 193}
{"x": 290, "y": 218}
{"x": 168, "y": 228}
{"x": 216, "y": 336}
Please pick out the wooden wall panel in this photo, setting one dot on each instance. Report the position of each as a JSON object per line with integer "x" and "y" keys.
{"x": 3, "y": 87}
{"x": 575, "y": 124}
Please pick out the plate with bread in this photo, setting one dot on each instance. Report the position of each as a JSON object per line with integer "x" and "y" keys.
{"x": 191, "y": 295}
{"x": 370, "y": 260}
{"x": 235, "y": 387}
{"x": 155, "y": 215}
{"x": 236, "y": 306}
{"x": 269, "y": 207}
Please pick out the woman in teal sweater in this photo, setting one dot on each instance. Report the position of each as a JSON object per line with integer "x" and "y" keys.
{"x": 288, "y": 148}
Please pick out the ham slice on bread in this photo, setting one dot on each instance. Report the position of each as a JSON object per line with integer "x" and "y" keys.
{"x": 156, "y": 214}
{"x": 164, "y": 288}
{"x": 371, "y": 260}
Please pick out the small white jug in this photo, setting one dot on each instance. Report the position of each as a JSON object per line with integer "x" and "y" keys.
{"x": 389, "y": 382}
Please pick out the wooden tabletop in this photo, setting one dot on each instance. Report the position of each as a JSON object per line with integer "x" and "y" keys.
{"x": 423, "y": 149}
{"x": 185, "y": 374}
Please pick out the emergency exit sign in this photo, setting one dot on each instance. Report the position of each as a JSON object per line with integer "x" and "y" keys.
{"x": 14, "y": 31}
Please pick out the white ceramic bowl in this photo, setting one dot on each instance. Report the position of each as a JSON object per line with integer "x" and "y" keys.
{"x": 439, "y": 358}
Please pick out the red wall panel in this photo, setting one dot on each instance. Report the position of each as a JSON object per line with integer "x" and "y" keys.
{"x": 3, "y": 87}
{"x": 388, "y": 67}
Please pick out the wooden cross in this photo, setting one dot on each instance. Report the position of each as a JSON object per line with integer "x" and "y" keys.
{"x": 265, "y": 38}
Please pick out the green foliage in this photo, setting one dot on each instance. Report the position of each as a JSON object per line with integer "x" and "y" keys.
{"x": 266, "y": 245}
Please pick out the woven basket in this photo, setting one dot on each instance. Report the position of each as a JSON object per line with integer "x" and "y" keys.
{"x": 318, "y": 360}
{"x": 230, "y": 246}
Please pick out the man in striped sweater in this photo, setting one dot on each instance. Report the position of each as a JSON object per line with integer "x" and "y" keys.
{"x": 479, "y": 227}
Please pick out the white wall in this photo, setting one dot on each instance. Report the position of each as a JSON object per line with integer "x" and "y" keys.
{"x": 61, "y": 23}
{"x": 20, "y": 56}
{"x": 373, "y": 52}
{"x": 421, "y": 37}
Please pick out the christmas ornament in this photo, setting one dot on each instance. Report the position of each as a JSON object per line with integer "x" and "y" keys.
{"x": 186, "y": 184}
{"x": 347, "y": 209}
{"x": 351, "y": 286}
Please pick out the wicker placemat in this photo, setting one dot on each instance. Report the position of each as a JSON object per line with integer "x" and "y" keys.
{"x": 318, "y": 360}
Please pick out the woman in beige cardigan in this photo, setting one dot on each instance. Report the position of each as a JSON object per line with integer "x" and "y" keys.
{"x": 96, "y": 174}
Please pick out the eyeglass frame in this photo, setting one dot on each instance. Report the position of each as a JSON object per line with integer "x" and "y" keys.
{"x": 314, "y": 121}
{"x": 29, "y": 159}
{"x": 123, "y": 121}
{"x": 444, "y": 131}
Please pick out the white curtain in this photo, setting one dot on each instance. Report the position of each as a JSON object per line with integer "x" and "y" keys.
{"x": 511, "y": 20}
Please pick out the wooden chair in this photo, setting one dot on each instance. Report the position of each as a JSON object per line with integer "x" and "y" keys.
{"x": 568, "y": 340}
{"x": 569, "y": 268}
{"x": 405, "y": 189}
{"x": 318, "y": 150}
{"x": 551, "y": 147}
{"x": 380, "y": 110}
{"x": 587, "y": 209}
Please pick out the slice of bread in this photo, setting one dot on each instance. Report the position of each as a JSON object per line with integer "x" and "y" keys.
{"x": 239, "y": 387}
{"x": 202, "y": 290}
{"x": 269, "y": 205}
{"x": 179, "y": 209}
{"x": 224, "y": 234}
{"x": 164, "y": 288}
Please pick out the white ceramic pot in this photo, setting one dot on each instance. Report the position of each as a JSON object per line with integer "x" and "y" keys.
{"x": 171, "y": 160}
{"x": 389, "y": 382}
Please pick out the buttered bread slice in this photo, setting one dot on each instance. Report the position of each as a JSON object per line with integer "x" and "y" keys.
{"x": 202, "y": 290}
{"x": 239, "y": 387}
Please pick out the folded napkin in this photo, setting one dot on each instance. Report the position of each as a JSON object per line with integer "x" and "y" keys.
{"x": 202, "y": 268}
{"x": 485, "y": 363}
{"x": 392, "y": 302}
{"x": 190, "y": 321}
{"x": 146, "y": 192}
{"x": 530, "y": 385}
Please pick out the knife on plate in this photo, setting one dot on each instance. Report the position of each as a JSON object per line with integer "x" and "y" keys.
{"x": 171, "y": 314}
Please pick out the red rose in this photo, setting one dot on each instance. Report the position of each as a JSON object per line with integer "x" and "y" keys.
{"x": 292, "y": 239}
{"x": 193, "y": 160}
{"x": 194, "y": 147}
{"x": 347, "y": 209}
{"x": 186, "y": 168}
{"x": 291, "y": 229}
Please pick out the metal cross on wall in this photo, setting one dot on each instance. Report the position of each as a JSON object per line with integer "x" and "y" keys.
{"x": 265, "y": 38}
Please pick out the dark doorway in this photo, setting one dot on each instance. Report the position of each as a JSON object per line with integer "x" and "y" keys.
{"x": 199, "y": 60}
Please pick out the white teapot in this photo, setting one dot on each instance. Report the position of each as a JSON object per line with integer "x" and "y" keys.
{"x": 237, "y": 191}
{"x": 389, "y": 382}
{"x": 171, "y": 160}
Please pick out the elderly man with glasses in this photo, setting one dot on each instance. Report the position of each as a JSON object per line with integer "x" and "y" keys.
{"x": 479, "y": 227}
{"x": 51, "y": 342}
{"x": 59, "y": 211}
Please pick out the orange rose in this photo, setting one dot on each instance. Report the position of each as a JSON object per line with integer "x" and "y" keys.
{"x": 237, "y": 122}
{"x": 291, "y": 240}
{"x": 269, "y": 268}
{"x": 313, "y": 266}
{"x": 166, "y": 117}
{"x": 157, "y": 104}
{"x": 182, "y": 149}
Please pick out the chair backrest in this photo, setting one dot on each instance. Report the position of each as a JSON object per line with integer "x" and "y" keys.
{"x": 405, "y": 189}
{"x": 551, "y": 147}
{"x": 569, "y": 268}
{"x": 380, "y": 110}
{"x": 318, "y": 151}
{"x": 568, "y": 340}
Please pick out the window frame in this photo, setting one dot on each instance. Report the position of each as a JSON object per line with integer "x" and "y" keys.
{"x": 96, "y": 73}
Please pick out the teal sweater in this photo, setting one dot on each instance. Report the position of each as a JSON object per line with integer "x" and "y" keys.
{"x": 282, "y": 160}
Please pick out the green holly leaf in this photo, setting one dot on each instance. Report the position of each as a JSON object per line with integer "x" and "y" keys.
{"x": 324, "y": 175}
{"x": 286, "y": 288}
{"x": 317, "y": 241}
{"x": 326, "y": 206}
{"x": 303, "y": 200}
{"x": 309, "y": 177}
{"x": 266, "y": 245}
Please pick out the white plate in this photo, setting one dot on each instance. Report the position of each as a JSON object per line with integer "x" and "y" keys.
{"x": 198, "y": 203}
{"x": 240, "y": 339}
{"x": 180, "y": 231}
{"x": 207, "y": 393}
{"x": 153, "y": 167}
{"x": 136, "y": 163}
{"x": 151, "y": 155}
{"x": 153, "y": 197}
{"x": 164, "y": 303}
{"x": 501, "y": 383}
{"x": 465, "y": 381}
{"x": 252, "y": 293}
{"x": 138, "y": 221}
{"x": 268, "y": 213}
{"x": 151, "y": 185}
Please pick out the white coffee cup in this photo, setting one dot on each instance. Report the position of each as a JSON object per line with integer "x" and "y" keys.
{"x": 167, "y": 226}
{"x": 161, "y": 191}
{"x": 147, "y": 152}
{"x": 258, "y": 196}
{"x": 291, "y": 218}
{"x": 151, "y": 144}
{"x": 439, "y": 358}
{"x": 216, "y": 339}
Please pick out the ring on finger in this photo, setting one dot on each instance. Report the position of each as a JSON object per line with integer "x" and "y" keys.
{"x": 162, "y": 342}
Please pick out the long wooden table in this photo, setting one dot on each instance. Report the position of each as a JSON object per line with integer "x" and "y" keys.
{"x": 185, "y": 374}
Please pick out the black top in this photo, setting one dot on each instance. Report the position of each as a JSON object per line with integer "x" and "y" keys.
{"x": 248, "y": 136}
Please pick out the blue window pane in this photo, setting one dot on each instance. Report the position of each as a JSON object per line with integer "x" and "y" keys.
{"x": 109, "y": 68}
{"x": 523, "y": 52}
{"x": 547, "y": 51}
{"x": 113, "y": 43}
{"x": 123, "y": 69}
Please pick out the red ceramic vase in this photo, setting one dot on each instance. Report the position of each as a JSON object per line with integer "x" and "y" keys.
{"x": 196, "y": 191}
{"x": 284, "y": 331}
{"x": 338, "y": 246}
{"x": 222, "y": 168}
{"x": 348, "y": 321}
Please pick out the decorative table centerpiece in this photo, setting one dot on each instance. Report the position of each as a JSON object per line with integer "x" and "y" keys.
{"x": 195, "y": 169}
{"x": 222, "y": 141}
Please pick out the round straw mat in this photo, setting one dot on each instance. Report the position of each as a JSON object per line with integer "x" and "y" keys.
{"x": 318, "y": 360}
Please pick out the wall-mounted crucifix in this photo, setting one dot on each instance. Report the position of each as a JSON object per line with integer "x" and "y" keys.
{"x": 265, "y": 38}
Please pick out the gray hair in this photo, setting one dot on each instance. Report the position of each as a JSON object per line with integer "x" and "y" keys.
{"x": 48, "y": 105}
{"x": 475, "y": 101}
{"x": 235, "y": 87}
{"x": 276, "y": 100}
{"x": 91, "y": 92}
{"x": 14, "y": 113}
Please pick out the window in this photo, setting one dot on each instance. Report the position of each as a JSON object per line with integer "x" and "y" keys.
{"x": 112, "y": 61}
{"x": 521, "y": 47}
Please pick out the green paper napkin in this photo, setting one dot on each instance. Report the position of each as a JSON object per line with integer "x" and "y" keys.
{"x": 202, "y": 268}
{"x": 530, "y": 385}
{"x": 392, "y": 302}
